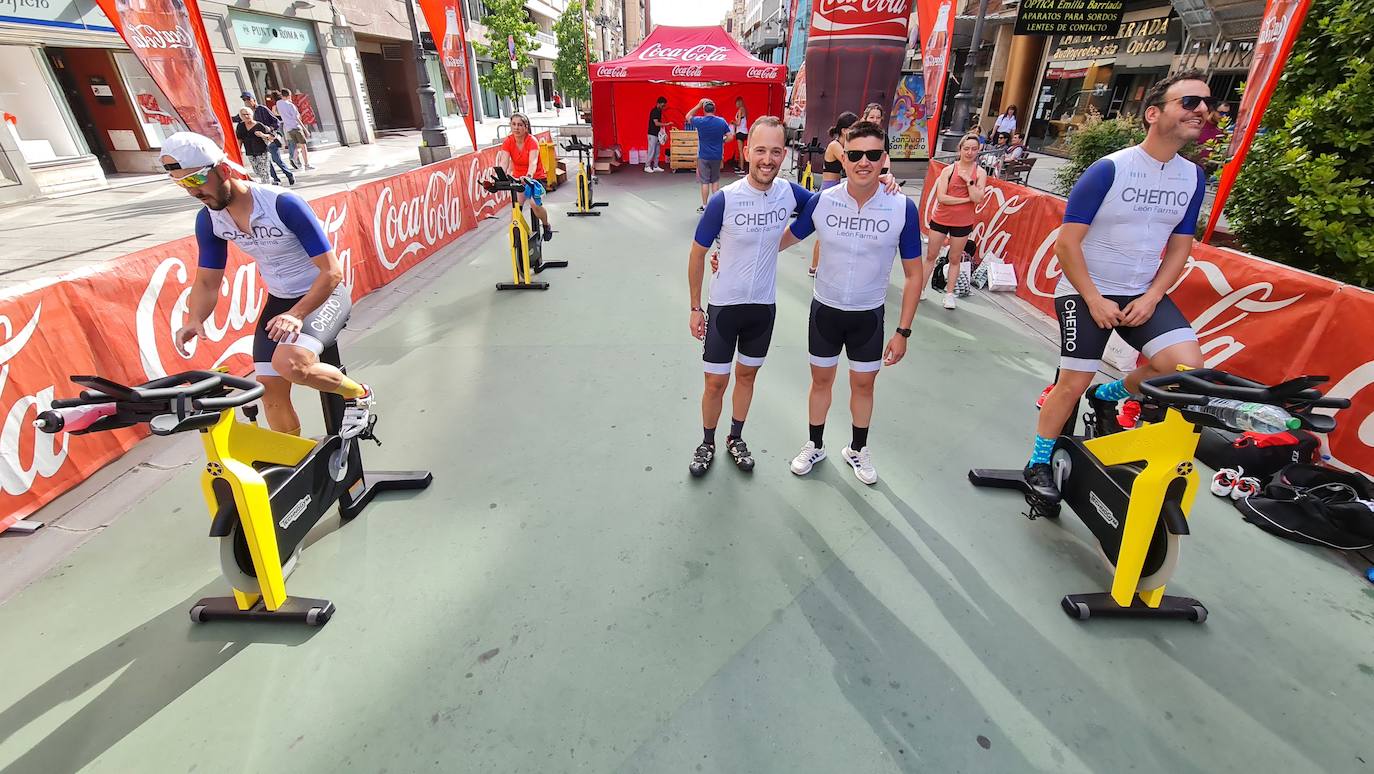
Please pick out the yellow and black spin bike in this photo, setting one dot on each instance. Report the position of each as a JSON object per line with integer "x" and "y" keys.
{"x": 265, "y": 489}
{"x": 586, "y": 201}
{"x": 1134, "y": 488}
{"x": 805, "y": 177}
{"x": 526, "y": 244}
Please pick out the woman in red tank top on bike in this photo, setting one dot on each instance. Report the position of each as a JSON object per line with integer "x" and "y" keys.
{"x": 957, "y": 192}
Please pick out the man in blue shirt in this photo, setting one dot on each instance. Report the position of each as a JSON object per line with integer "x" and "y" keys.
{"x": 712, "y": 132}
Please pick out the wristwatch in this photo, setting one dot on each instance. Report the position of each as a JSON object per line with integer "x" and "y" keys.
{"x": 698, "y": 309}
{"x": 904, "y": 332}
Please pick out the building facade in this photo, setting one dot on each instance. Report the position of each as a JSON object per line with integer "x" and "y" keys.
{"x": 765, "y": 28}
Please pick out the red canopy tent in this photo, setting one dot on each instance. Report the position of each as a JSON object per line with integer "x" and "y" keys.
{"x": 683, "y": 64}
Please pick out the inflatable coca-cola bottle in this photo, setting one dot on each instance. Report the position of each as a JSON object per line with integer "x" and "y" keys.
{"x": 853, "y": 57}
{"x": 933, "y": 64}
{"x": 160, "y": 34}
{"x": 455, "y": 61}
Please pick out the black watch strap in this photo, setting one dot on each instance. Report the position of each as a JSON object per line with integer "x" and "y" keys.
{"x": 905, "y": 332}
{"x": 698, "y": 309}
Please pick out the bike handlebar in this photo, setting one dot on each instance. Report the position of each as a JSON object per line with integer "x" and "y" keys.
{"x": 504, "y": 182}
{"x": 192, "y": 399}
{"x": 811, "y": 148}
{"x": 1194, "y": 388}
{"x": 576, "y": 144}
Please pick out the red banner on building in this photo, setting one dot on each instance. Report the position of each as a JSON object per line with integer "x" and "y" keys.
{"x": 445, "y": 21}
{"x": 1282, "y": 22}
{"x": 168, "y": 37}
{"x": 935, "y": 20}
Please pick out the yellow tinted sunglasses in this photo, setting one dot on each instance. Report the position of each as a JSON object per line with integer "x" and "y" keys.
{"x": 195, "y": 179}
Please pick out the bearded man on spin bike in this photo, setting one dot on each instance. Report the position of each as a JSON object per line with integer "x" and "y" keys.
{"x": 1128, "y": 228}
{"x": 307, "y": 302}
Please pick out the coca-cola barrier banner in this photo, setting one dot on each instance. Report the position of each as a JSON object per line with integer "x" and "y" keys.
{"x": 168, "y": 37}
{"x": 1256, "y": 318}
{"x": 854, "y": 55}
{"x": 118, "y": 321}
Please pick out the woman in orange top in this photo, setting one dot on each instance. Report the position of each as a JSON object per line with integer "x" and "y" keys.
{"x": 520, "y": 154}
{"x": 957, "y": 192}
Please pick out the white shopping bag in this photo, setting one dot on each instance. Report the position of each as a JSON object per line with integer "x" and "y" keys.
{"x": 1001, "y": 276}
{"x": 1119, "y": 354}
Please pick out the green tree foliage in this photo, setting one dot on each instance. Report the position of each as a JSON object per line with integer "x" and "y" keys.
{"x": 1093, "y": 140}
{"x": 507, "y": 19}
{"x": 1303, "y": 196}
{"x": 570, "y": 70}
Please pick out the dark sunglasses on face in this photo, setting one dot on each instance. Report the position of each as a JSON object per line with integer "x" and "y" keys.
{"x": 1191, "y": 102}
{"x": 873, "y": 155}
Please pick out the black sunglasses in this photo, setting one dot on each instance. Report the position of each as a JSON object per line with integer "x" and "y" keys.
{"x": 1191, "y": 102}
{"x": 873, "y": 155}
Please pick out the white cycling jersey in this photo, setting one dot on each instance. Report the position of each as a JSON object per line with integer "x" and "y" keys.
{"x": 284, "y": 236}
{"x": 749, "y": 224}
{"x": 858, "y": 244}
{"x": 1132, "y": 204}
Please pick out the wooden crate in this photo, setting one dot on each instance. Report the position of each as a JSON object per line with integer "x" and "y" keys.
{"x": 682, "y": 149}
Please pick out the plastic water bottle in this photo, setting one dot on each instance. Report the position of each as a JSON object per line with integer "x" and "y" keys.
{"x": 1254, "y": 417}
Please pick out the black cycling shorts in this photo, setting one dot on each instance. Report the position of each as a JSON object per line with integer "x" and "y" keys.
{"x": 954, "y": 231}
{"x": 743, "y": 328}
{"x": 319, "y": 329}
{"x": 1081, "y": 342}
{"x": 859, "y": 334}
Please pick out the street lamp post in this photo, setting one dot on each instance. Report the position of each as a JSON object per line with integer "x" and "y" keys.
{"x": 963, "y": 100}
{"x": 433, "y": 140}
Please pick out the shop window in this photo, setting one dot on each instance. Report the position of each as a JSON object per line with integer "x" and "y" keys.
{"x": 31, "y": 108}
{"x": 308, "y": 77}
{"x": 156, "y": 115}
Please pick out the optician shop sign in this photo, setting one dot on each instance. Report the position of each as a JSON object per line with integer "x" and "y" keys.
{"x": 64, "y": 14}
{"x": 271, "y": 33}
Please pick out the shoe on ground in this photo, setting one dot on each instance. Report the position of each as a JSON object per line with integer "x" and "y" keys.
{"x": 1245, "y": 488}
{"x": 357, "y": 414}
{"x": 1041, "y": 481}
{"x": 862, "y": 463}
{"x": 807, "y": 458}
{"x": 949, "y": 301}
{"x": 811, "y": 271}
{"x": 1224, "y": 482}
{"x": 309, "y": 166}
{"x": 701, "y": 460}
{"x": 740, "y": 454}
{"x": 548, "y": 233}
{"x": 702, "y": 208}
{"x": 648, "y": 170}
{"x": 1040, "y": 402}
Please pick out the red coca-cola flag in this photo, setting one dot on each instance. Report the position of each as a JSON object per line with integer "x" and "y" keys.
{"x": 854, "y": 56}
{"x": 1282, "y": 22}
{"x": 935, "y": 18}
{"x": 445, "y": 20}
{"x": 168, "y": 37}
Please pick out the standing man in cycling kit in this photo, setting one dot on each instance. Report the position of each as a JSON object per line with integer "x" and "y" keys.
{"x": 1128, "y": 229}
{"x": 307, "y": 302}
{"x": 520, "y": 154}
{"x": 748, "y": 217}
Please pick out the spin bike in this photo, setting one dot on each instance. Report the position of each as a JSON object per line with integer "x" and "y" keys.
{"x": 526, "y": 244}
{"x": 1134, "y": 488}
{"x": 805, "y": 177}
{"x": 585, "y": 201}
{"x": 265, "y": 489}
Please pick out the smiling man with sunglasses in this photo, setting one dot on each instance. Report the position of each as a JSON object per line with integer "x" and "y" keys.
{"x": 1128, "y": 228}
{"x": 860, "y": 228}
{"x": 307, "y": 302}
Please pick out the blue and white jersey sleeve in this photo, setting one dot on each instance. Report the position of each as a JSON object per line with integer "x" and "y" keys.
{"x": 805, "y": 224}
{"x": 300, "y": 220}
{"x": 708, "y": 228}
{"x": 802, "y": 196}
{"x": 214, "y": 252}
{"x": 1089, "y": 192}
{"x": 1188, "y": 225}
{"x": 909, "y": 243}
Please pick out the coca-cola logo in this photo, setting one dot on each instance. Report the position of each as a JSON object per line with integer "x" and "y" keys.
{"x": 615, "y": 71}
{"x": 870, "y": 18}
{"x": 148, "y": 36}
{"x": 688, "y": 71}
{"x": 46, "y": 456}
{"x": 1272, "y": 30}
{"x": 699, "y": 53}
{"x": 229, "y": 328}
{"x": 1352, "y": 425}
{"x": 405, "y": 227}
{"x": 765, "y": 73}
{"x": 333, "y": 221}
{"x": 480, "y": 199}
{"x": 1232, "y": 306}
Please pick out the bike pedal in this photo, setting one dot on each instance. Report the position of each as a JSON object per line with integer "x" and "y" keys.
{"x": 368, "y": 434}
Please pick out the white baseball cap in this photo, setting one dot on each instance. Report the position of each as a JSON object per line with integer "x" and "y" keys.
{"x": 193, "y": 151}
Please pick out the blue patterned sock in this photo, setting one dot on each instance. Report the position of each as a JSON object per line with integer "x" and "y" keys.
{"x": 1041, "y": 454}
{"x": 1114, "y": 391}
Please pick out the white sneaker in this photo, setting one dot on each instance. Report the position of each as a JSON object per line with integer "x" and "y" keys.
{"x": 949, "y": 301}
{"x": 357, "y": 414}
{"x": 862, "y": 463}
{"x": 647, "y": 170}
{"x": 807, "y": 458}
{"x": 309, "y": 166}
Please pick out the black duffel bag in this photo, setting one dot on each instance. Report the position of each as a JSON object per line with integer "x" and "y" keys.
{"x": 1316, "y": 505}
{"x": 1259, "y": 454}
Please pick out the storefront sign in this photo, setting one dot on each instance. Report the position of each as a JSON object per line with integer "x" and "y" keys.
{"x": 1142, "y": 37}
{"x": 342, "y": 37}
{"x": 68, "y": 14}
{"x": 1069, "y": 17}
{"x": 270, "y": 33}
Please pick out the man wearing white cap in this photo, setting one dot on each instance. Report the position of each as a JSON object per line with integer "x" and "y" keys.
{"x": 307, "y": 302}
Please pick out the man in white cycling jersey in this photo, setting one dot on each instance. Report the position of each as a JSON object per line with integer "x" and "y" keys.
{"x": 307, "y": 303}
{"x": 748, "y": 217}
{"x": 1128, "y": 228}
{"x": 861, "y": 229}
